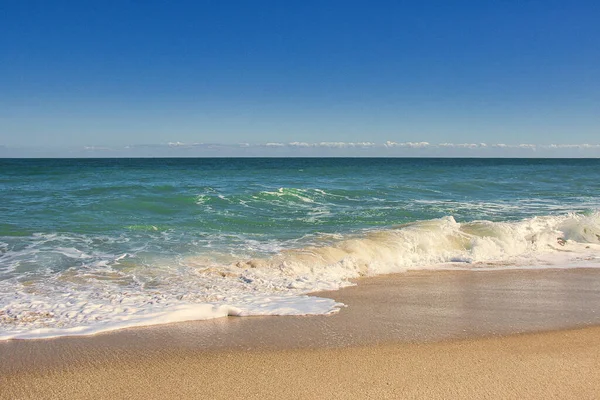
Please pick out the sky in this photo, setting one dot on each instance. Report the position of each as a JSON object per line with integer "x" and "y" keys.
{"x": 309, "y": 78}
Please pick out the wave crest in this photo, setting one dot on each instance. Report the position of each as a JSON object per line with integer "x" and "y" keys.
{"x": 427, "y": 244}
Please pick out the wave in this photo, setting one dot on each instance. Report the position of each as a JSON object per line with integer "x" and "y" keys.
{"x": 351, "y": 209}
{"x": 102, "y": 295}
{"x": 432, "y": 243}
{"x": 280, "y": 197}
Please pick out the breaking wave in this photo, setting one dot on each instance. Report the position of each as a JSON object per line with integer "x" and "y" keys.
{"x": 108, "y": 292}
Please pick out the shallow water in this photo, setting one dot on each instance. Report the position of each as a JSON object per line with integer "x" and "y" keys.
{"x": 96, "y": 244}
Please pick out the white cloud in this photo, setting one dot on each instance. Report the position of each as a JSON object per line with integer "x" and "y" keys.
{"x": 368, "y": 145}
{"x": 345, "y": 144}
{"x": 574, "y": 146}
{"x": 364, "y": 144}
{"x": 412, "y": 145}
{"x": 325, "y": 148}
{"x": 339, "y": 145}
{"x": 301, "y": 144}
{"x": 515, "y": 146}
{"x": 333, "y": 144}
{"x": 527, "y": 146}
{"x": 463, "y": 145}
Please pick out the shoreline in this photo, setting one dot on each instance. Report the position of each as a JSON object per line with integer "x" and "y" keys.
{"x": 546, "y": 322}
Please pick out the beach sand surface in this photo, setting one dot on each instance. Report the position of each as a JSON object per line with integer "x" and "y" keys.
{"x": 501, "y": 334}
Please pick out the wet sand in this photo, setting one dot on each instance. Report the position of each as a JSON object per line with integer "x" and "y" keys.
{"x": 502, "y": 334}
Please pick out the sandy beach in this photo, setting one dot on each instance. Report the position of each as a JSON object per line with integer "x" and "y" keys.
{"x": 503, "y": 334}
{"x": 299, "y": 200}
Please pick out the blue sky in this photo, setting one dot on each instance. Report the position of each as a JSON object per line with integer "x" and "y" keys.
{"x": 121, "y": 78}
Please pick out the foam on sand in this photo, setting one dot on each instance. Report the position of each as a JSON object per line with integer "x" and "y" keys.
{"x": 114, "y": 293}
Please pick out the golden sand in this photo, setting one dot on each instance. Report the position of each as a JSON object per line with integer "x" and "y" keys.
{"x": 422, "y": 335}
{"x": 554, "y": 365}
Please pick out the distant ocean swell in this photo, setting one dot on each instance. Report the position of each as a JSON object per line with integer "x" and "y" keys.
{"x": 87, "y": 287}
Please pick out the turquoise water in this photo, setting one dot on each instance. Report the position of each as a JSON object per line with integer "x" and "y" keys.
{"x": 156, "y": 228}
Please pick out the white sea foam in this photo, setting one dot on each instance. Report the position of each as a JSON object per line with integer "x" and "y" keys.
{"x": 111, "y": 291}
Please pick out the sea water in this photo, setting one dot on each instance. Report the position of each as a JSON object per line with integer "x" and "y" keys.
{"x": 90, "y": 245}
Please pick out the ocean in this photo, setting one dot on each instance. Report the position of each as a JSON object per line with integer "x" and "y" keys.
{"x": 92, "y": 245}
